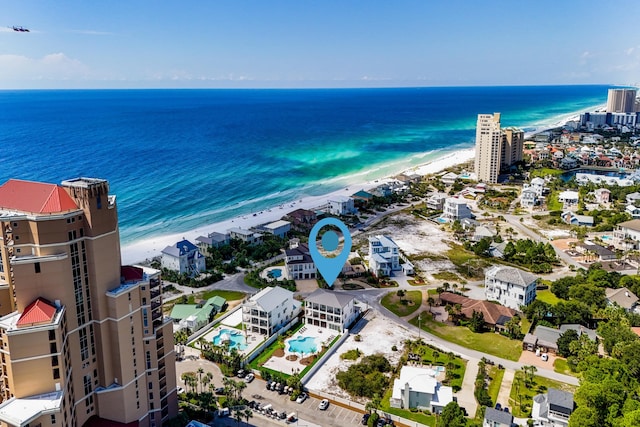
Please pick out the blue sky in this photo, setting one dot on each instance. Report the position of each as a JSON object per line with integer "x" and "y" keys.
{"x": 303, "y": 43}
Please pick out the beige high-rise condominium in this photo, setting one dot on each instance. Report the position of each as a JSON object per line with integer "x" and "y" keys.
{"x": 82, "y": 338}
{"x": 496, "y": 148}
{"x": 621, "y": 101}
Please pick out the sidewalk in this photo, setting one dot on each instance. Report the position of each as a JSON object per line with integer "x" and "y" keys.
{"x": 505, "y": 387}
{"x": 465, "y": 396}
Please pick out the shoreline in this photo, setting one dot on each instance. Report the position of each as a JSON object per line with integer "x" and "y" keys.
{"x": 147, "y": 249}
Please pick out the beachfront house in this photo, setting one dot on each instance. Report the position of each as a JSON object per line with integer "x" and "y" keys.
{"x": 341, "y": 205}
{"x": 183, "y": 257}
{"x": 331, "y": 310}
{"x": 384, "y": 256}
{"x": 448, "y": 178}
{"x": 211, "y": 240}
{"x": 269, "y": 310}
{"x": 553, "y": 408}
{"x": 510, "y": 286}
{"x": 302, "y": 219}
{"x": 278, "y": 228}
{"x": 456, "y": 209}
{"x": 247, "y": 236}
{"x": 298, "y": 262}
{"x": 418, "y": 388}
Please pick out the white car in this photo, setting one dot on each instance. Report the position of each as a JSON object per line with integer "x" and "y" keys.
{"x": 544, "y": 357}
{"x": 302, "y": 397}
{"x": 180, "y": 390}
{"x": 249, "y": 377}
{"x": 324, "y": 404}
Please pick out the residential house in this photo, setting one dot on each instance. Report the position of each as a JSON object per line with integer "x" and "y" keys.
{"x": 298, "y": 262}
{"x": 633, "y": 198}
{"x": 384, "y": 256}
{"x": 546, "y": 338}
{"x": 537, "y": 184}
{"x": 553, "y": 408}
{"x": 569, "y": 198}
{"x": 331, "y": 310}
{"x": 302, "y": 219}
{"x": 528, "y": 198}
{"x": 510, "y": 286}
{"x": 571, "y": 218}
{"x": 568, "y": 163}
{"x": 448, "y": 178}
{"x": 436, "y": 201}
{"x": 481, "y": 232}
{"x": 456, "y": 209}
{"x": 624, "y": 298}
{"x": 627, "y": 235}
{"x": 362, "y": 197}
{"x": 278, "y": 228}
{"x": 269, "y": 310}
{"x": 594, "y": 252}
{"x": 211, "y": 240}
{"x": 418, "y": 388}
{"x": 602, "y": 195}
{"x": 496, "y": 418}
{"x": 247, "y": 236}
{"x": 196, "y": 316}
{"x": 633, "y": 211}
{"x": 495, "y": 315}
{"x": 183, "y": 257}
{"x": 341, "y": 205}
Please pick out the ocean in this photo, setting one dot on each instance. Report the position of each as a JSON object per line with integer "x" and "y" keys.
{"x": 181, "y": 159}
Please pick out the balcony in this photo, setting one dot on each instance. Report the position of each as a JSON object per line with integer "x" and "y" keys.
{"x": 155, "y": 294}
{"x": 155, "y": 305}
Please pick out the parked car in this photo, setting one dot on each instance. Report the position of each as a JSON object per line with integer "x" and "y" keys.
{"x": 324, "y": 404}
{"x": 365, "y": 418}
{"x": 241, "y": 373}
{"x": 544, "y": 357}
{"x": 302, "y": 397}
{"x": 219, "y": 390}
{"x": 249, "y": 377}
{"x": 267, "y": 385}
{"x": 498, "y": 407}
{"x": 180, "y": 390}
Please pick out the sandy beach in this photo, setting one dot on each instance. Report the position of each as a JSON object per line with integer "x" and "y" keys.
{"x": 150, "y": 248}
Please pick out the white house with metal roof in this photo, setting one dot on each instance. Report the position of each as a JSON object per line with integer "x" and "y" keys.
{"x": 331, "y": 310}
{"x": 278, "y": 228}
{"x": 183, "y": 257}
{"x": 384, "y": 256}
{"x": 247, "y": 236}
{"x": 269, "y": 310}
{"x": 627, "y": 234}
{"x": 418, "y": 388}
{"x": 341, "y": 205}
{"x": 510, "y": 286}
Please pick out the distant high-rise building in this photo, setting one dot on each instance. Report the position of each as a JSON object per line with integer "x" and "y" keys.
{"x": 496, "y": 148}
{"x": 621, "y": 101}
{"x": 82, "y": 338}
{"x": 488, "y": 147}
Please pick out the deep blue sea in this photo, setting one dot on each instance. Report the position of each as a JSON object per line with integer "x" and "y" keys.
{"x": 180, "y": 159}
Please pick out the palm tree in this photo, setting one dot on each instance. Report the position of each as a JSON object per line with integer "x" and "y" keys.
{"x": 247, "y": 414}
{"x": 200, "y": 372}
{"x": 206, "y": 380}
{"x": 237, "y": 415}
{"x": 436, "y": 354}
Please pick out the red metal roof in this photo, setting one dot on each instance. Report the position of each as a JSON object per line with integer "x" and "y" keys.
{"x": 131, "y": 274}
{"x": 39, "y": 311}
{"x": 35, "y": 197}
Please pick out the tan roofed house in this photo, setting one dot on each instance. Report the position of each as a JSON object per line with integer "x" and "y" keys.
{"x": 622, "y": 297}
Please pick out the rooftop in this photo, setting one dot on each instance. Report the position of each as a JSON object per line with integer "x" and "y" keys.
{"x": 499, "y": 417}
{"x": 512, "y": 275}
{"x": 332, "y": 299}
{"x": 20, "y": 412}
{"x": 35, "y": 197}
{"x": 181, "y": 248}
{"x": 277, "y": 224}
{"x": 623, "y": 297}
{"x": 38, "y": 312}
{"x": 271, "y": 297}
{"x": 634, "y": 225}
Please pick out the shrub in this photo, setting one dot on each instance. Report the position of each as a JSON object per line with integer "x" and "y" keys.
{"x": 394, "y": 348}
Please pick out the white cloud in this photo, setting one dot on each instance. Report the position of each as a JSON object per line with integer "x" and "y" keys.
{"x": 16, "y": 69}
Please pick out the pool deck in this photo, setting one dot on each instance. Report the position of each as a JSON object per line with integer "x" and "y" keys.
{"x": 281, "y": 364}
{"x": 253, "y": 340}
{"x": 265, "y": 273}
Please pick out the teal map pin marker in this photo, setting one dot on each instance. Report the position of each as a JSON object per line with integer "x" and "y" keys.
{"x": 329, "y": 268}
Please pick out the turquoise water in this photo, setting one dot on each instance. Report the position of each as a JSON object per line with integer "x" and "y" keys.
{"x": 182, "y": 159}
{"x": 236, "y": 339}
{"x": 442, "y": 220}
{"x": 306, "y": 345}
{"x": 275, "y": 272}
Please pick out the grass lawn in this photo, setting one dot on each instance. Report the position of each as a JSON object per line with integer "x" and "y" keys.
{"x": 562, "y": 367}
{"x": 488, "y": 342}
{"x": 525, "y": 324}
{"x": 228, "y": 295}
{"x": 521, "y": 406}
{"x": 467, "y": 263}
{"x": 547, "y": 296}
{"x": 542, "y": 172}
{"x": 443, "y": 359}
{"x": 553, "y": 204}
{"x": 496, "y": 376}
{"x": 420, "y": 417}
{"x": 405, "y": 306}
{"x": 446, "y": 275}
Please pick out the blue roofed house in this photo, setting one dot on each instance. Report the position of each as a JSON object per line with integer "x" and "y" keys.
{"x": 183, "y": 257}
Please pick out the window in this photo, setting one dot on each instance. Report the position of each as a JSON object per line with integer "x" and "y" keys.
{"x": 53, "y": 348}
{"x": 52, "y": 335}
{"x": 56, "y": 373}
{"x": 54, "y": 360}
{"x": 53, "y": 418}
{"x": 99, "y": 205}
{"x": 36, "y": 266}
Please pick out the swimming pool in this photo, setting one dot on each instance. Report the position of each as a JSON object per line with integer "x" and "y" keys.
{"x": 441, "y": 220}
{"x": 235, "y": 338}
{"x": 605, "y": 237}
{"x": 275, "y": 273}
{"x": 306, "y": 345}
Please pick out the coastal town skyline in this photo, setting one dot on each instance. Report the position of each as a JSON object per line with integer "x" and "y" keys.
{"x": 279, "y": 44}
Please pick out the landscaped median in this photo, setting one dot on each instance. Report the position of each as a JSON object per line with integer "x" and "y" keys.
{"x": 486, "y": 342}
{"x": 402, "y": 303}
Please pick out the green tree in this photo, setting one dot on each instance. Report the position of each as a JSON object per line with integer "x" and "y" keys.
{"x": 453, "y": 416}
{"x": 564, "y": 340}
{"x": 476, "y": 323}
